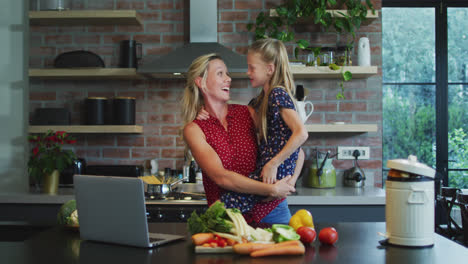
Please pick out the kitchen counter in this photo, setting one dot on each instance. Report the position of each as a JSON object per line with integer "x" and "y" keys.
{"x": 303, "y": 196}
{"x": 358, "y": 243}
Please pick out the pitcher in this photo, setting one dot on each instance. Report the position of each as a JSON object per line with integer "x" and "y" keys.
{"x": 304, "y": 111}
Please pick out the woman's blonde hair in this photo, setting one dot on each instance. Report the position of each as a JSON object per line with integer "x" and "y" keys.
{"x": 192, "y": 101}
{"x": 272, "y": 51}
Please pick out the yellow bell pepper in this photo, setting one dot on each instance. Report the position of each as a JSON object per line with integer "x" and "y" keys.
{"x": 301, "y": 218}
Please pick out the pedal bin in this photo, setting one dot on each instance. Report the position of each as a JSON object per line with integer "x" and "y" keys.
{"x": 409, "y": 209}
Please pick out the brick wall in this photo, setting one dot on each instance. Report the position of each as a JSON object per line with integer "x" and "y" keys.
{"x": 158, "y": 100}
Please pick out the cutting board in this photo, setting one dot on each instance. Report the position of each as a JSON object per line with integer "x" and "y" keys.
{"x": 210, "y": 250}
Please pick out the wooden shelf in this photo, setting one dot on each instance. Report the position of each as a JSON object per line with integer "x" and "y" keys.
{"x": 336, "y": 13}
{"x": 84, "y": 17}
{"x": 85, "y": 73}
{"x": 89, "y": 129}
{"x": 325, "y": 72}
{"x": 342, "y": 128}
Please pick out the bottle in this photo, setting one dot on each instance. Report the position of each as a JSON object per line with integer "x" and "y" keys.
{"x": 193, "y": 172}
{"x": 199, "y": 175}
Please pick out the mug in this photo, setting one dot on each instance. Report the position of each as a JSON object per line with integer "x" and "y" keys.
{"x": 302, "y": 109}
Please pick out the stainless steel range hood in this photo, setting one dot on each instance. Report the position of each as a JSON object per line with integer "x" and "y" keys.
{"x": 203, "y": 40}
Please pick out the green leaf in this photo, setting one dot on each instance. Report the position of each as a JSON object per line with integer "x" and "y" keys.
{"x": 347, "y": 76}
{"x": 334, "y": 67}
{"x": 340, "y": 96}
{"x": 249, "y": 26}
{"x": 302, "y": 43}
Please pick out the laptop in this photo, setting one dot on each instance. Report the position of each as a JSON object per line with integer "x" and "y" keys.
{"x": 112, "y": 210}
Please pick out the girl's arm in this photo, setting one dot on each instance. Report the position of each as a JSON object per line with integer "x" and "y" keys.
{"x": 211, "y": 164}
{"x": 298, "y": 169}
{"x": 298, "y": 137}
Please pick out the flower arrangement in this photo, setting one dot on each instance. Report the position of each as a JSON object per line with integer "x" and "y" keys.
{"x": 47, "y": 154}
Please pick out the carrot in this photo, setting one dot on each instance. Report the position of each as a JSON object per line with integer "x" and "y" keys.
{"x": 247, "y": 248}
{"x": 282, "y": 250}
{"x": 201, "y": 238}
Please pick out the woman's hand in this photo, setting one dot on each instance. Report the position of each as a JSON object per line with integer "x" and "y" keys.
{"x": 203, "y": 114}
{"x": 283, "y": 188}
{"x": 269, "y": 172}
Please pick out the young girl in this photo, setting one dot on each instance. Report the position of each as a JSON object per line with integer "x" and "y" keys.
{"x": 280, "y": 128}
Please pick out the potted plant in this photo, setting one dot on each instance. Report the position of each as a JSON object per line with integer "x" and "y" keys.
{"x": 48, "y": 158}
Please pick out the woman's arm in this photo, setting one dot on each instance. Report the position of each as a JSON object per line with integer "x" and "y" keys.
{"x": 298, "y": 137}
{"x": 211, "y": 164}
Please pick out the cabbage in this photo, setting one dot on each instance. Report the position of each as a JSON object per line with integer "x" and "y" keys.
{"x": 68, "y": 215}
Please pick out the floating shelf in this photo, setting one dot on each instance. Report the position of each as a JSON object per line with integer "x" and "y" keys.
{"x": 85, "y": 73}
{"x": 84, "y": 17}
{"x": 325, "y": 72}
{"x": 336, "y": 13}
{"x": 342, "y": 128}
{"x": 88, "y": 129}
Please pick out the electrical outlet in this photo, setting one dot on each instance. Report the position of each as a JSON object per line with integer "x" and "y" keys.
{"x": 346, "y": 153}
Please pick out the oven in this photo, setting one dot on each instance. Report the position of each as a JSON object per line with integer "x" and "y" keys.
{"x": 174, "y": 207}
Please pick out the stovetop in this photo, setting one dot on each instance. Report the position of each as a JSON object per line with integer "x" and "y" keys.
{"x": 176, "y": 196}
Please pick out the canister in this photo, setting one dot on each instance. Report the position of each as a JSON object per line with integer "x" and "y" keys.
{"x": 95, "y": 110}
{"x": 409, "y": 210}
{"x": 124, "y": 110}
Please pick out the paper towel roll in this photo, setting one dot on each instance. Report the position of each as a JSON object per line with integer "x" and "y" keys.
{"x": 364, "y": 52}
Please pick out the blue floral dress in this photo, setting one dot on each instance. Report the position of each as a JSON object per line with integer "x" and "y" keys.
{"x": 278, "y": 134}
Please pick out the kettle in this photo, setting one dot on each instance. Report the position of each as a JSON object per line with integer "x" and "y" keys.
{"x": 322, "y": 173}
{"x": 354, "y": 177}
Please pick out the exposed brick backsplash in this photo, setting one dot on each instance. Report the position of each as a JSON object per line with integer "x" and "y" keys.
{"x": 158, "y": 101}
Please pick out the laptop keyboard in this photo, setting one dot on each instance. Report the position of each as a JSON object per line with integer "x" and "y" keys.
{"x": 152, "y": 239}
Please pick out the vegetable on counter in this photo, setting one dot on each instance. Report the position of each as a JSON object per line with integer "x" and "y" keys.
{"x": 307, "y": 234}
{"x": 283, "y": 233}
{"x": 247, "y": 248}
{"x": 68, "y": 215}
{"x": 215, "y": 219}
{"x": 301, "y": 218}
{"x": 226, "y": 223}
{"x": 328, "y": 235}
{"x": 202, "y": 238}
{"x": 280, "y": 249}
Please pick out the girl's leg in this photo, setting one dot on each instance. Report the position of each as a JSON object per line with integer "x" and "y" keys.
{"x": 279, "y": 215}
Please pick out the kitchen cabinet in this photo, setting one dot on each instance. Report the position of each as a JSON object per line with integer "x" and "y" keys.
{"x": 88, "y": 129}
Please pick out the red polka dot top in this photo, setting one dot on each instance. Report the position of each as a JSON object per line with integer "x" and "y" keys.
{"x": 237, "y": 148}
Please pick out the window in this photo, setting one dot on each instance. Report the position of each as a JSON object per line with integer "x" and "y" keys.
{"x": 425, "y": 85}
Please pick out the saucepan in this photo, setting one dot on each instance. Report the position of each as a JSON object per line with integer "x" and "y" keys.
{"x": 161, "y": 189}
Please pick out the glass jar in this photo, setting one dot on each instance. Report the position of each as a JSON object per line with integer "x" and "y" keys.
{"x": 327, "y": 56}
{"x": 343, "y": 56}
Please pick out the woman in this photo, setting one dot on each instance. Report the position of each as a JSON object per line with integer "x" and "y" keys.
{"x": 225, "y": 145}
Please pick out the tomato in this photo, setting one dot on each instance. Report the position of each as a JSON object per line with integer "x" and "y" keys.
{"x": 307, "y": 234}
{"x": 328, "y": 235}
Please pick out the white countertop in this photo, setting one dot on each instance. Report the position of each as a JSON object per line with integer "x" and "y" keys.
{"x": 305, "y": 196}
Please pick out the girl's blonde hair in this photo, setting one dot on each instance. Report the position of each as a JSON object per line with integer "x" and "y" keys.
{"x": 272, "y": 51}
{"x": 192, "y": 101}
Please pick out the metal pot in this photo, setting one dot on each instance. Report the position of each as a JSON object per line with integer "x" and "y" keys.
{"x": 160, "y": 189}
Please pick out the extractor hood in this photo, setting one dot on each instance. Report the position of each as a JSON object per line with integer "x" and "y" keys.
{"x": 203, "y": 40}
